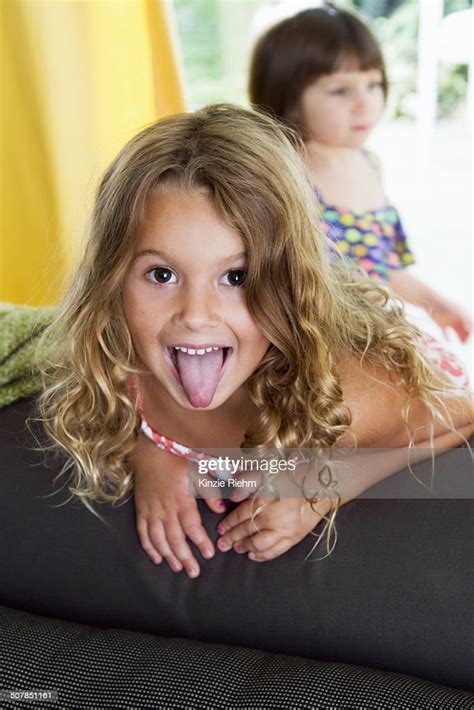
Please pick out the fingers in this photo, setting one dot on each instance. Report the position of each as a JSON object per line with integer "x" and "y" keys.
{"x": 458, "y": 328}
{"x": 217, "y": 505}
{"x": 463, "y": 330}
{"x": 467, "y": 326}
{"x": 142, "y": 529}
{"x": 261, "y": 547}
{"x": 202, "y": 486}
{"x": 191, "y": 524}
{"x": 456, "y": 320}
{"x": 237, "y": 516}
{"x": 271, "y": 553}
{"x": 266, "y": 530}
{"x": 248, "y": 484}
{"x": 241, "y": 494}
{"x": 245, "y": 528}
{"x": 167, "y": 540}
{"x": 242, "y": 540}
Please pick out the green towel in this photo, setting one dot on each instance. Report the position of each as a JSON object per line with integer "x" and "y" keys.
{"x": 20, "y": 328}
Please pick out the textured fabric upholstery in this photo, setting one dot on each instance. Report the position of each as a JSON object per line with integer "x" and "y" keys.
{"x": 93, "y": 668}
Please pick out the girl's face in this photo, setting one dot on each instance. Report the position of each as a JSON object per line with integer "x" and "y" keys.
{"x": 185, "y": 305}
{"x": 340, "y": 109}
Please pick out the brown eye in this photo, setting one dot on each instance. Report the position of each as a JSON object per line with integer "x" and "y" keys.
{"x": 235, "y": 277}
{"x": 161, "y": 275}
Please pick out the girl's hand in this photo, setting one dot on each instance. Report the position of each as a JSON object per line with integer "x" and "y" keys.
{"x": 166, "y": 511}
{"x": 276, "y": 527}
{"x": 449, "y": 315}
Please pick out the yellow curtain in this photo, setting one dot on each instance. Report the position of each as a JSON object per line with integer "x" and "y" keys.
{"x": 79, "y": 78}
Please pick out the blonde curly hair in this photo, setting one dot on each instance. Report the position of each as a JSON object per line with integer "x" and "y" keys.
{"x": 312, "y": 309}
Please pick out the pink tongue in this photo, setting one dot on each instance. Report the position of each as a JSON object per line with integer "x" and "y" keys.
{"x": 200, "y": 374}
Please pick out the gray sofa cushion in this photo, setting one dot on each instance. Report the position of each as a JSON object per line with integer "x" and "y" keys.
{"x": 92, "y": 668}
{"x": 395, "y": 595}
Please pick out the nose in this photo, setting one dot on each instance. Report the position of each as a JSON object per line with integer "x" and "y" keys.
{"x": 361, "y": 103}
{"x": 197, "y": 308}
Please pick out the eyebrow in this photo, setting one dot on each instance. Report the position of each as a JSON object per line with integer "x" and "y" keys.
{"x": 168, "y": 258}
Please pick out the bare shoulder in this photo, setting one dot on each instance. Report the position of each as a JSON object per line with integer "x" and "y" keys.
{"x": 376, "y": 404}
{"x": 380, "y": 406}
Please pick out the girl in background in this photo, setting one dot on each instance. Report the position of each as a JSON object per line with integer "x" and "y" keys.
{"x": 322, "y": 71}
{"x": 205, "y": 314}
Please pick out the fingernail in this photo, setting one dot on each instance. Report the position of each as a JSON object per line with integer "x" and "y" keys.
{"x": 251, "y": 555}
{"x": 193, "y": 572}
{"x": 208, "y": 552}
{"x": 223, "y": 545}
{"x": 221, "y": 529}
{"x": 221, "y": 505}
{"x": 176, "y": 567}
{"x": 239, "y": 548}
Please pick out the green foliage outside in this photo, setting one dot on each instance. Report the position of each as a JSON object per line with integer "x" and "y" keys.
{"x": 216, "y": 42}
{"x": 397, "y": 34}
{"x": 198, "y": 32}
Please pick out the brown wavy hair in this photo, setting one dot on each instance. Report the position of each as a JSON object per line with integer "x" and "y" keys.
{"x": 312, "y": 311}
{"x": 297, "y": 51}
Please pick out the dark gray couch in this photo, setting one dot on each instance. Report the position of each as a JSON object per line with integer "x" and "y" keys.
{"x": 385, "y": 622}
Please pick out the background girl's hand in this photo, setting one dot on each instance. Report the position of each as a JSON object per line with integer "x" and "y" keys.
{"x": 443, "y": 312}
{"x": 276, "y": 527}
{"x": 449, "y": 315}
{"x": 166, "y": 510}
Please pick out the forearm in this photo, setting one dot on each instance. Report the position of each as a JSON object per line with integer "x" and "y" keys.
{"x": 413, "y": 290}
{"x": 357, "y": 473}
{"x": 368, "y": 464}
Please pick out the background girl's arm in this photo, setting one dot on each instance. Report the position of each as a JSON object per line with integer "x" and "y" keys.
{"x": 445, "y": 313}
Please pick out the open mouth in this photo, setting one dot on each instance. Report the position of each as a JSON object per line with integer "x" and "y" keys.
{"x": 173, "y": 354}
{"x": 198, "y": 370}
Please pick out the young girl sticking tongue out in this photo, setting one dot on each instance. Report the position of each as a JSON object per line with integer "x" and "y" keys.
{"x": 322, "y": 71}
{"x": 206, "y": 314}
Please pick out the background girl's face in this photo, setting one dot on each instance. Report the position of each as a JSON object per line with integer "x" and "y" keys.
{"x": 340, "y": 109}
{"x": 184, "y": 303}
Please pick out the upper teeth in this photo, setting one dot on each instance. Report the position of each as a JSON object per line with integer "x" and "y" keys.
{"x": 191, "y": 351}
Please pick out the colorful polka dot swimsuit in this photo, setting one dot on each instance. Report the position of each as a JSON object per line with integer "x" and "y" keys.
{"x": 376, "y": 241}
{"x": 373, "y": 239}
